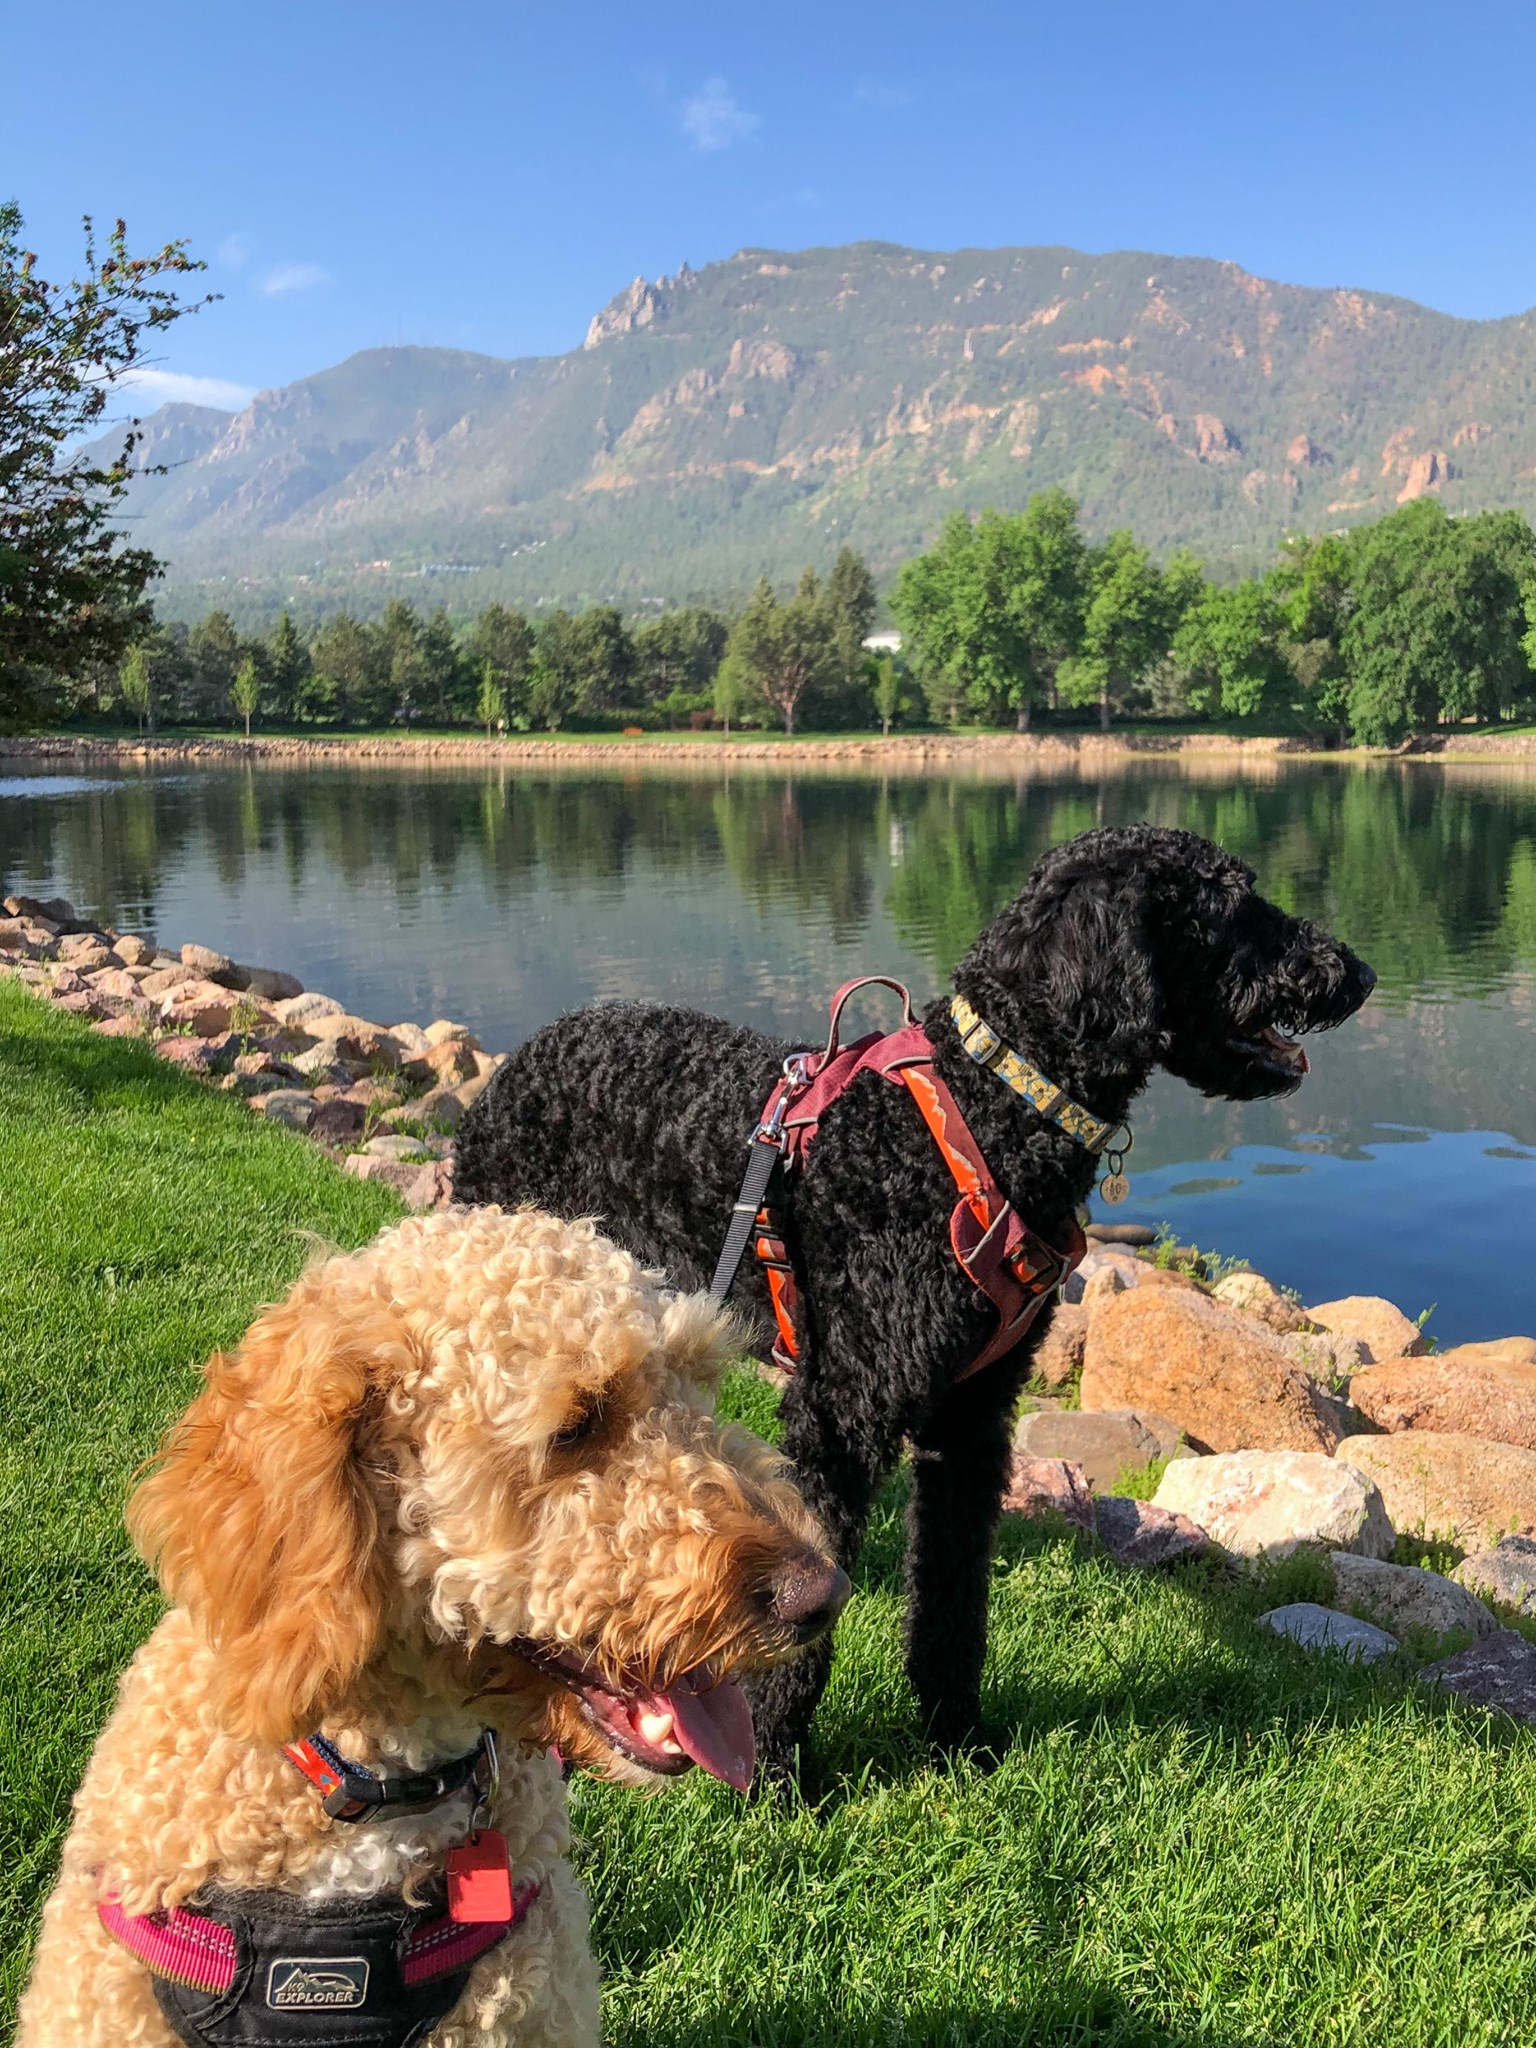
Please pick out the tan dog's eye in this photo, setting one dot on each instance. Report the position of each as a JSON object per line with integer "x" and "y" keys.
{"x": 581, "y": 1424}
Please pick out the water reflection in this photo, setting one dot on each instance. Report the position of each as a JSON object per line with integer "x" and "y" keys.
{"x": 505, "y": 897}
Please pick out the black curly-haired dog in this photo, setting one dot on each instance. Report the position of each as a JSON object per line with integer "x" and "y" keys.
{"x": 1129, "y": 948}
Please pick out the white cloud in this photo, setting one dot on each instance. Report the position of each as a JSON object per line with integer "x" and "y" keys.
{"x": 715, "y": 119}
{"x": 294, "y": 277}
{"x": 233, "y": 253}
{"x": 877, "y": 92}
{"x": 174, "y": 387}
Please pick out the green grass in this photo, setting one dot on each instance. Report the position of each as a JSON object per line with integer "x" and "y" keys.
{"x": 143, "y": 1218}
{"x": 1197, "y": 1837}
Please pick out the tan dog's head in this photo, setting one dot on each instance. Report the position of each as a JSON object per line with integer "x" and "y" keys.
{"x": 478, "y": 1458}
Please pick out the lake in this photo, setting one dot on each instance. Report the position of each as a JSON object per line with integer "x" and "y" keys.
{"x": 502, "y": 896}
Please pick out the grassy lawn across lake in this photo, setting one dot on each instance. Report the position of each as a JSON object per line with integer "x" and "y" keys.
{"x": 1198, "y": 1836}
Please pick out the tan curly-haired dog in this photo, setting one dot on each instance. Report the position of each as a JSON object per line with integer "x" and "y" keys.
{"x": 464, "y": 1478}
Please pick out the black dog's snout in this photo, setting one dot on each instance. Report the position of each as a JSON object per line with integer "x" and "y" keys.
{"x": 808, "y": 1596}
{"x": 1367, "y": 977}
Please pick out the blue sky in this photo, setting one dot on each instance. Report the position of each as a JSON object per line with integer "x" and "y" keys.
{"x": 485, "y": 173}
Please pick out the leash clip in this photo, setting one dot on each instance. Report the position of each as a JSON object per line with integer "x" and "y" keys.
{"x": 770, "y": 1129}
{"x": 487, "y": 1783}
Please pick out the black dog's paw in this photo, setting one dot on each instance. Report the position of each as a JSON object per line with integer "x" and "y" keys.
{"x": 972, "y": 1744}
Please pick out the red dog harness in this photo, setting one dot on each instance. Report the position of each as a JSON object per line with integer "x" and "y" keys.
{"x": 1011, "y": 1264}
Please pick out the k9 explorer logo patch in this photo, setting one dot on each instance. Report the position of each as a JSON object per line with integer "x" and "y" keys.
{"x": 318, "y": 1983}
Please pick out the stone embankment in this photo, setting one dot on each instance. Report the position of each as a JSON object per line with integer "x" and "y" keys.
{"x": 903, "y": 750}
{"x": 1274, "y": 1429}
{"x": 921, "y": 749}
{"x": 385, "y": 1100}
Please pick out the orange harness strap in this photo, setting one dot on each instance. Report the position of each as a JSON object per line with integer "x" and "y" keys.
{"x": 996, "y": 1250}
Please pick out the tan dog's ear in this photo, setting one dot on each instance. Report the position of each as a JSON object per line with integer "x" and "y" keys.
{"x": 260, "y": 1521}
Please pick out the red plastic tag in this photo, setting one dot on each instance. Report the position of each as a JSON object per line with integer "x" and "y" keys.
{"x": 480, "y": 1880}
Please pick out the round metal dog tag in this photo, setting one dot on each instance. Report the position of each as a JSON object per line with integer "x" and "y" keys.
{"x": 1114, "y": 1187}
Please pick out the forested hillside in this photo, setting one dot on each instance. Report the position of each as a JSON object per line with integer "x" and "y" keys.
{"x": 739, "y": 420}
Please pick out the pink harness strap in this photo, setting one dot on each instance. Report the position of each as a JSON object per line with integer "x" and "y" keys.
{"x": 200, "y": 1954}
{"x": 183, "y": 1946}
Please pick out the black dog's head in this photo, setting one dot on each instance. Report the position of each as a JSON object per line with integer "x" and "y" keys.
{"x": 1140, "y": 946}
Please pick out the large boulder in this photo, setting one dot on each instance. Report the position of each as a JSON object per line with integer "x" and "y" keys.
{"x": 1104, "y": 1445}
{"x": 1522, "y": 1350}
{"x": 1499, "y": 1672}
{"x": 1049, "y": 1486}
{"x": 1380, "y": 1329}
{"x": 271, "y": 985}
{"x": 354, "y": 1041}
{"x": 1059, "y": 1355}
{"x": 1268, "y": 1503}
{"x": 1252, "y": 1295}
{"x": 1137, "y": 1532}
{"x": 1134, "y": 1532}
{"x": 1507, "y": 1573}
{"x": 1402, "y": 1596}
{"x": 304, "y": 1011}
{"x": 1320, "y": 1628}
{"x": 1225, "y": 1381}
{"x": 1471, "y": 1391}
{"x": 213, "y": 966}
{"x": 1439, "y": 1483}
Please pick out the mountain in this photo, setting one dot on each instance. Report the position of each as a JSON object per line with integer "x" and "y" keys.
{"x": 755, "y": 414}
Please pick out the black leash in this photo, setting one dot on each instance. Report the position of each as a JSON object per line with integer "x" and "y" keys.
{"x": 764, "y": 1151}
{"x": 763, "y": 1155}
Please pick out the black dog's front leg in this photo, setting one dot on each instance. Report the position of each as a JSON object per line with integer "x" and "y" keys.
{"x": 960, "y": 1468}
{"x": 837, "y": 1475}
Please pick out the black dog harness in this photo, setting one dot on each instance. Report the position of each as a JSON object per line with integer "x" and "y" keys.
{"x": 1008, "y": 1262}
{"x": 263, "y": 1969}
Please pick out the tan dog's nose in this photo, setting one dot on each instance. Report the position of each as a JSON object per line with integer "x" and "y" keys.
{"x": 809, "y": 1595}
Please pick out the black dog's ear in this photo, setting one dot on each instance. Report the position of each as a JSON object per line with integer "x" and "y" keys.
{"x": 1078, "y": 948}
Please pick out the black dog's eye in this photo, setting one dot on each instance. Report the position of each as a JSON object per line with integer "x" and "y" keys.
{"x": 581, "y": 1424}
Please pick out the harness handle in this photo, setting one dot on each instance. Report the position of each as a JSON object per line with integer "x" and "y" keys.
{"x": 851, "y": 988}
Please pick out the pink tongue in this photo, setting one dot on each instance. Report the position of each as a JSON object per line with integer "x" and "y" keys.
{"x": 715, "y": 1728}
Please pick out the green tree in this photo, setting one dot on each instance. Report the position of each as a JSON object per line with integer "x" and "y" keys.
{"x": 246, "y": 694}
{"x": 680, "y": 651}
{"x": 885, "y": 688}
{"x": 1435, "y": 631}
{"x": 70, "y": 593}
{"x": 351, "y": 673}
{"x": 409, "y": 678}
{"x": 491, "y": 704}
{"x": 732, "y": 688}
{"x": 850, "y": 601}
{"x": 215, "y": 653}
{"x": 1229, "y": 645}
{"x": 554, "y": 684}
{"x": 288, "y": 669}
{"x": 784, "y": 650}
{"x": 1314, "y": 584}
{"x": 1127, "y": 626}
{"x": 505, "y": 639}
{"x": 447, "y": 676}
{"x": 604, "y": 659}
{"x": 998, "y": 606}
{"x": 135, "y": 688}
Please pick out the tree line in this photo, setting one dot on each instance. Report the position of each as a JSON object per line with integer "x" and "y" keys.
{"x": 792, "y": 661}
{"x": 1367, "y": 635}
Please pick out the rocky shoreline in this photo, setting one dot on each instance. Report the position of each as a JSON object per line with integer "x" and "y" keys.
{"x": 919, "y": 750}
{"x": 1270, "y": 1428}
